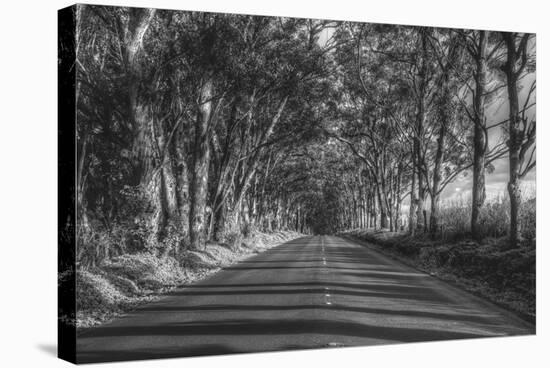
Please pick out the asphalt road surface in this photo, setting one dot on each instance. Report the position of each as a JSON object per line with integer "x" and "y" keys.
{"x": 312, "y": 292}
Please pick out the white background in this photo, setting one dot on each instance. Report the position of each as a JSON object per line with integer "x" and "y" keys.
{"x": 28, "y": 187}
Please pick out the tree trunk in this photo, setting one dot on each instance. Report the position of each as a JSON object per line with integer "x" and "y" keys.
{"x": 182, "y": 181}
{"x": 201, "y": 160}
{"x": 436, "y": 183}
{"x": 420, "y": 224}
{"x": 361, "y": 206}
{"x": 383, "y": 213}
{"x": 220, "y": 223}
{"x": 369, "y": 211}
{"x": 412, "y": 207}
{"x": 355, "y": 210}
{"x": 140, "y": 121}
{"x": 425, "y": 216}
{"x": 169, "y": 182}
{"x": 480, "y": 144}
{"x": 434, "y": 215}
{"x": 515, "y": 136}
{"x": 398, "y": 224}
{"x": 82, "y": 215}
{"x": 169, "y": 198}
{"x": 373, "y": 213}
{"x": 419, "y": 137}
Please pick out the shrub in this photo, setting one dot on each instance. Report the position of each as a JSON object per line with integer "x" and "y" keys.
{"x": 233, "y": 239}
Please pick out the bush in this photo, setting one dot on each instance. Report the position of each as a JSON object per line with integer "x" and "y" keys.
{"x": 234, "y": 240}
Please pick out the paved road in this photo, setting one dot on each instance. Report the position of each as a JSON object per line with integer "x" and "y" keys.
{"x": 311, "y": 292}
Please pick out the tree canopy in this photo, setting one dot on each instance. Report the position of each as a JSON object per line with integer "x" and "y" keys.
{"x": 194, "y": 126}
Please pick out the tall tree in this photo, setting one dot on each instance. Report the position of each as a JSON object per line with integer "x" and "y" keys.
{"x": 480, "y": 139}
{"x": 521, "y": 132}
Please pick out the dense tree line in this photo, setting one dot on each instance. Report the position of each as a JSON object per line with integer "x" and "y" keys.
{"x": 194, "y": 127}
{"x": 182, "y": 117}
{"x": 413, "y": 108}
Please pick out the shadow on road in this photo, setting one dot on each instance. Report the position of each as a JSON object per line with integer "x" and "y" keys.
{"x": 101, "y": 356}
{"x": 282, "y": 293}
{"x": 294, "y": 326}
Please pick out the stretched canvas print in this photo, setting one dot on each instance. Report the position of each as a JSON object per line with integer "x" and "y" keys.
{"x": 233, "y": 184}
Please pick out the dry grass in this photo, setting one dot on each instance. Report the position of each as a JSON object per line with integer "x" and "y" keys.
{"x": 494, "y": 219}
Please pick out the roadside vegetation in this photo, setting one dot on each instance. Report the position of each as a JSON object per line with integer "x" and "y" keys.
{"x": 188, "y": 126}
{"x": 129, "y": 280}
{"x": 489, "y": 268}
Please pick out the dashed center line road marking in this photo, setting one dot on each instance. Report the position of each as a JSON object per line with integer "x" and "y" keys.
{"x": 325, "y": 270}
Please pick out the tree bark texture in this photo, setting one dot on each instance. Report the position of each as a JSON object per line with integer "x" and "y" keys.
{"x": 201, "y": 160}
{"x": 480, "y": 140}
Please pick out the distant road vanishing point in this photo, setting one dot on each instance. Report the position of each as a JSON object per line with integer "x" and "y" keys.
{"x": 311, "y": 292}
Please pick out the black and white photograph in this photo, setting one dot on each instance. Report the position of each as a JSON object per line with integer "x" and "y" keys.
{"x": 247, "y": 184}
{"x": 233, "y": 183}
